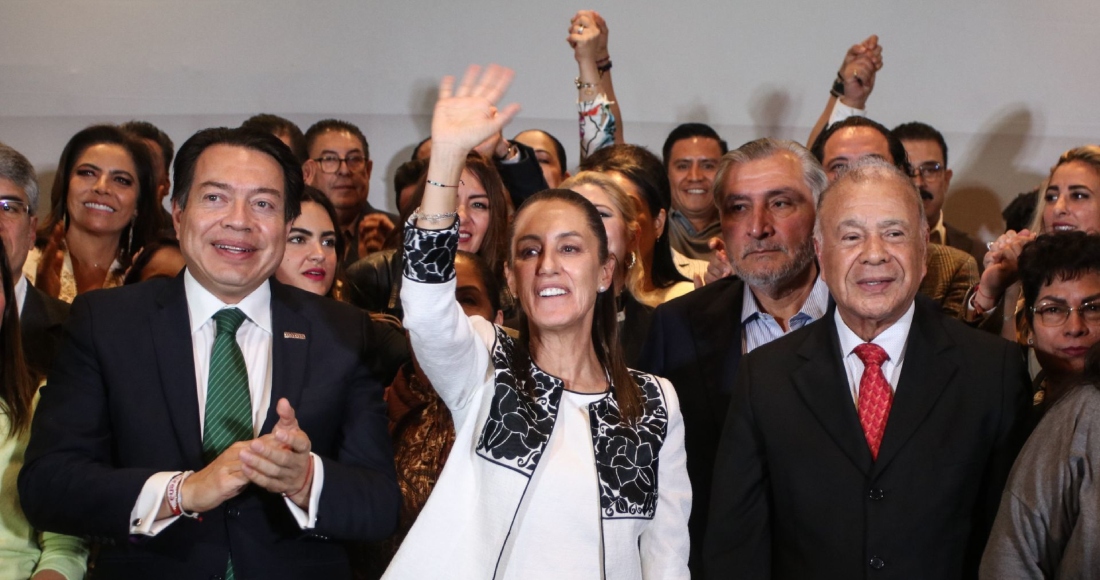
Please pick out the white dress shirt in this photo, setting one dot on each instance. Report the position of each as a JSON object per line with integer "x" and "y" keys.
{"x": 892, "y": 340}
{"x": 20, "y": 293}
{"x": 760, "y": 328}
{"x": 254, "y": 338}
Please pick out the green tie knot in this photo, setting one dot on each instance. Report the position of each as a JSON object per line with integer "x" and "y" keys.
{"x": 229, "y": 320}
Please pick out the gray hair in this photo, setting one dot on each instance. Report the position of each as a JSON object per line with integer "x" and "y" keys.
{"x": 871, "y": 168}
{"x": 17, "y": 169}
{"x": 812, "y": 173}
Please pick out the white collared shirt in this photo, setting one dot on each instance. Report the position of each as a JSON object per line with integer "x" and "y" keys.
{"x": 20, "y": 292}
{"x": 941, "y": 230}
{"x": 255, "y": 339}
{"x": 892, "y": 340}
{"x": 760, "y": 328}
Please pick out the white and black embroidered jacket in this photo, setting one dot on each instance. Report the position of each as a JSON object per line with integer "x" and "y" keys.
{"x": 501, "y": 433}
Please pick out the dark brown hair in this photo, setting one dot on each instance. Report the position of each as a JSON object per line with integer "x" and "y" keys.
{"x": 17, "y": 385}
{"x": 605, "y": 321}
{"x": 145, "y": 224}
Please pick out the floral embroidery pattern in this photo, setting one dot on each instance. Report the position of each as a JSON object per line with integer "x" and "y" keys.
{"x": 430, "y": 254}
{"x": 627, "y": 456}
{"x": 518, "y": 427}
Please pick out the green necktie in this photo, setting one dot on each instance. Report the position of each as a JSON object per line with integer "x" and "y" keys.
{"x": 228, "y": 400}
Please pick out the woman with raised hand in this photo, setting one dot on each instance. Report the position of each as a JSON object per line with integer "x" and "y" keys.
{"x": 598, "y": 110}
{"x": 102, "y": 212}
{"x": 566, "y": 464}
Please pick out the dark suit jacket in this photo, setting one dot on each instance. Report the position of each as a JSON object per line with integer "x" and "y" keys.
{"x": 802, "y": 498}
{"x": 957, "y": 238}
{"x": 41, "y": 324}
{"x": 695, "y": 342}
{"x": 121, "y": 405}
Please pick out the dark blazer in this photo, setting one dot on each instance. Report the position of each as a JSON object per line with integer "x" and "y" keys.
{"x": 41, "y": 324}
{"x": 523, "y": 178}
{"x": 957, "y": 238}
{"x": 121, "y": 405}
{"x": 802, "y": 497}
{"x": 695, "y": 342}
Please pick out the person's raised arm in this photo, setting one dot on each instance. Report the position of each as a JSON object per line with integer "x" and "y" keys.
{"x": 600, "y": 117}
{"x": 463, "y": 118}
{"x": 853, "y": 85}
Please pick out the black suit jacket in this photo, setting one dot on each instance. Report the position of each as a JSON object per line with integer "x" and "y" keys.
{"x": 41, "y": 324}
{"x": 802, "y": 498}
{"x": 121, "y": 405}
{"x": 695, "y": 342}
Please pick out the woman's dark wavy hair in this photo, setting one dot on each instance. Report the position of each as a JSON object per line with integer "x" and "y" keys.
{"x": 494, "y": 245}
{"x": 605, "y": 322}
{"x": 1056, "y": 256}
{"x": 649, "y": 175}
{"x": 17, "y": 385}
{"x": 146, "y": 223}
{"x": 311, "y": 194}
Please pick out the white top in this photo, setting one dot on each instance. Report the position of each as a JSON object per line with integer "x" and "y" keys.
{"x": 20, "y": 292}
{"x": 892, "y": 340}
{"x": 563, "y": 492}
{"x": 254, "y": 338}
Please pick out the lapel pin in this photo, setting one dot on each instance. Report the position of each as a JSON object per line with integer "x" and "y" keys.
{"x": 297, "y": 335}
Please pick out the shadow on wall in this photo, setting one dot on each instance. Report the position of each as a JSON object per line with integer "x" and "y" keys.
{"x": 45, "y": 191}
{"x": 770, "y": 107}
{"x": 975, "y": 207}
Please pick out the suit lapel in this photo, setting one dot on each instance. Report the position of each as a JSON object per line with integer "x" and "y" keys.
{"x": 170, "y": 328}
{"x": 823, "y": 385}
{"x": 927, "y": 370}
{"x": 289, "y": 350}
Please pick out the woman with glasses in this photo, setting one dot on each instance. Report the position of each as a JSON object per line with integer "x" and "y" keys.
{"x": 1060, "y": 279}
{"x": 103, "y": 211}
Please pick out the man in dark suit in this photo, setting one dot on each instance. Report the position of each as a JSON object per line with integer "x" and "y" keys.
{"x": 875, "y": 443}
{"x": 765, "y": 191}
{"x": 242, "y": 405}
{"x": 40, "y": 316}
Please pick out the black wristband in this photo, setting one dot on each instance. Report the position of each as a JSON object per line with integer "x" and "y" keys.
{"x": 838, "y": 87}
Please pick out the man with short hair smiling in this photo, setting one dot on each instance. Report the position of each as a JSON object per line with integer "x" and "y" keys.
{"x": 691, "y": 154}
{"x": 876, "y": 441}
{"x": 221, "y": 395}
{"x": 41, "y": 316}
{"x": 765, "y": 192}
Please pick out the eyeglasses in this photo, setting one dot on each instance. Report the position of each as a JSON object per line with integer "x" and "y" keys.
{"x": 1057, "y": 314}
{"x": 931, "y": 171}
{"x": 13, "y": 209}
{"x": 331, "y": 163}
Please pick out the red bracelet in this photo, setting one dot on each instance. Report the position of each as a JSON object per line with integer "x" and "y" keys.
{"x": 309, "y": 479}
{"x": 172, "y": 494}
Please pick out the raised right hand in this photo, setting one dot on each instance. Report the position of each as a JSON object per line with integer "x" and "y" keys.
{"x": 588, "y": 36}
{"x": 467, "y": 116}
{"x": 1001, "y": 262}
{"x": 861, "y": 63}
{"x": 214, "y": 484}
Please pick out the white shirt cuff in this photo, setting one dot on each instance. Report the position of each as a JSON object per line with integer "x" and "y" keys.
{"x": 143, "y": 518}
{"x": 308, "y": 520}
{"x": 842, "y": 111}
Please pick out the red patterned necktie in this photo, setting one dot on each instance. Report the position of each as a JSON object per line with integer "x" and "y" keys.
{"x": 875, "y": 396}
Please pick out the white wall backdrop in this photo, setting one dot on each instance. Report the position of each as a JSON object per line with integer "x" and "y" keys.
{"x": 1011, "y": 83}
